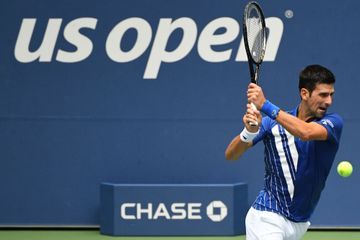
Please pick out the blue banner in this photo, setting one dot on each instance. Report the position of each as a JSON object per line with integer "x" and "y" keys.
{"x": 173, "y": 209}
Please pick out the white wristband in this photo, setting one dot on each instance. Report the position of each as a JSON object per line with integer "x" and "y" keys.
{"x": 247, "y": 136}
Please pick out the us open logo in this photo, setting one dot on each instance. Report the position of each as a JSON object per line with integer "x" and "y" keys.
{"x": 155, "y": 38}
{"x": 216, "y": 211}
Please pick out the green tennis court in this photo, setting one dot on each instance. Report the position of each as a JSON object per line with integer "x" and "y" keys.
{"x": 95, "y": 235}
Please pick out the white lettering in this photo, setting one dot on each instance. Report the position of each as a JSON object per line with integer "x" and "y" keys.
{"x": 140, "y": 210}
{"x": 217, "y": 33}
{"x": 113, "y": 42}
{"x": 208, "y": 38}
{"x": 275, "y": 27}
{"x": 194, "y": 210}
{"x": 82, "y": 43}
{"x": 158, "y": 52}
{"x": 46, "y": 49}
{"x": 178, "y": 208}
{"x": 123, "y": 213}
{"x": 161, "y": 211}
{"x": 176, "y": 211}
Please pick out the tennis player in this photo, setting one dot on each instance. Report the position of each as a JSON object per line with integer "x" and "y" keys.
{"x": 300, "y": 147}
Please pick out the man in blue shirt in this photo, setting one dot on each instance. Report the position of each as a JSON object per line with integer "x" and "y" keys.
{"x": 300, "y": 147}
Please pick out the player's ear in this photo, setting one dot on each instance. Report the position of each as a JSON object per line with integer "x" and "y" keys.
{"x": 304, "y": 94}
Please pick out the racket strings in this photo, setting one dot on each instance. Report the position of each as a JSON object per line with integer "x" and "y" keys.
{"x": 255, "y": 34}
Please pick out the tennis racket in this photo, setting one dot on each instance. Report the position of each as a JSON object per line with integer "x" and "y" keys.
{"x": 254, "y": 30}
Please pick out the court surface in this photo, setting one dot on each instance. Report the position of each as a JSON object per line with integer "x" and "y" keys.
{"x": 95, "y": 235}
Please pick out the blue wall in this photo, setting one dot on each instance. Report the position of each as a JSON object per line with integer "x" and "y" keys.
{"x": 66, "y": 127}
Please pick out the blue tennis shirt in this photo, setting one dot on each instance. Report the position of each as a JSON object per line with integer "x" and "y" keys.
{"x": 295, "y": 170}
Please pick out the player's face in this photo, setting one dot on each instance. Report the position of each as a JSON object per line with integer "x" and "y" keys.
{"x": 320, "y": 99}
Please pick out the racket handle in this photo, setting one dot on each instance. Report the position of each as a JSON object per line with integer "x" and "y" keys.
{"x": 253, "y": 124}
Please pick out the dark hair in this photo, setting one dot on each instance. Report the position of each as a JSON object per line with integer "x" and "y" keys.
{"x": 315, "y": 74}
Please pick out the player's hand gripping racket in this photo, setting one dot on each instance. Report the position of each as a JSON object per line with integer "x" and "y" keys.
{"x": 254, "y": 30}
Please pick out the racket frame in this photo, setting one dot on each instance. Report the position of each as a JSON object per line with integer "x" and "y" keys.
{"x": 254, "y": 73}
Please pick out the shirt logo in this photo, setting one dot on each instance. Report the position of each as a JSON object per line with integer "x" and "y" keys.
{"x": 327, "y": 122}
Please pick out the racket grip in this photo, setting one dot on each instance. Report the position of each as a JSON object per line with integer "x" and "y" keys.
{"x": 253, "y": 124}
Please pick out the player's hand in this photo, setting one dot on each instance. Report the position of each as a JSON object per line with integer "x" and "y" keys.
{"x": 252, "y": 115}
{"x": 255, "y": 95}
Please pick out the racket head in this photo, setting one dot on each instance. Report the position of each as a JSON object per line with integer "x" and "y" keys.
{"x": 254, "y": 30}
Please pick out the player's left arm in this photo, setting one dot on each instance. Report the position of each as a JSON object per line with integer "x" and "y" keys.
{"x": 301, "y": 129}
{"x": 297, "y": 127}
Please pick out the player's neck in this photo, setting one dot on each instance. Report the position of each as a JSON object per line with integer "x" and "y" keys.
{"x": 304, "y": 113}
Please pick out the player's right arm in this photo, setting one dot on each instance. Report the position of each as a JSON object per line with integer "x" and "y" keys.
{"x": 238, "y": 146}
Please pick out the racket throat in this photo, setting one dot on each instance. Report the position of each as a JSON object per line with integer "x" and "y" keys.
{"x": 254, "y": 74}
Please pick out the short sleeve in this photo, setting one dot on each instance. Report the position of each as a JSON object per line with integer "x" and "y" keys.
{"x": 333, "y": 124}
